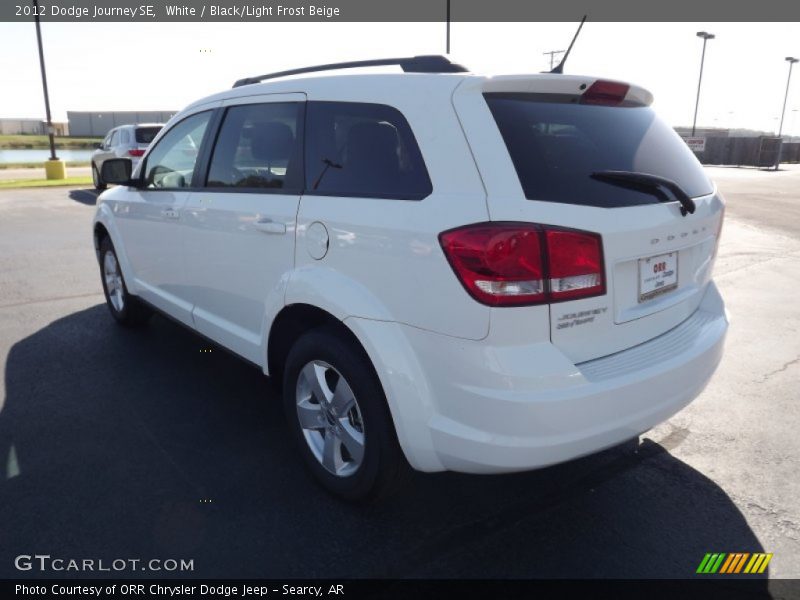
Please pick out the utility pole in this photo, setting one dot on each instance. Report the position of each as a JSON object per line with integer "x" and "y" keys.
{"x": 44, "y": 82}
{"x": 448, "y": 27}
{"x": 706, "y": 36}
{"x": 791, "y": 60}
{"x": 552, "y": 54}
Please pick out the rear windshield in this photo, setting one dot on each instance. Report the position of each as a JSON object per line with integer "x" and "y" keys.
{"x": 145, "y": 135}
{"x": 556, "y": 146}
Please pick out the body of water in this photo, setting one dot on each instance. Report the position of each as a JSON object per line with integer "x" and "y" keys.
{"x": 23, "y": 156}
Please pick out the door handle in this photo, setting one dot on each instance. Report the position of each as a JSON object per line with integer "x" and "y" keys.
{"x": 170, "y": 213}
{"x": 267, "y": 225}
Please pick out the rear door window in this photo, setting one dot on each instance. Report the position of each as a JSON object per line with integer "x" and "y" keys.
{"x": 145, "y": 135}
{"x": 361, "y": 149}
{"x": 556, "y": 146}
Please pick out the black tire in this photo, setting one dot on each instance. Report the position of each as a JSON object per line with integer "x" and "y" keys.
{"x": 96, "y": 180}
{"x": 383, "y": 468}
{"x": 130, "y": 312}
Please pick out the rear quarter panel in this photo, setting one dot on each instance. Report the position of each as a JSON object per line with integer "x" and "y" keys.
{"x": 384, "y": 260}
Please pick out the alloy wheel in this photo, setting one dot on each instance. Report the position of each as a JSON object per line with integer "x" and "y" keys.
{"x": 330, "y": 418}
{"x": 113, "y": 279}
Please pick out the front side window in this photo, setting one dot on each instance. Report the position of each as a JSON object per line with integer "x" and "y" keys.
{"x": 171, "y": 163}
{"x": 258, "y": 147}
{"x": 359, "y": 149}
{"x": 114, "y": 138}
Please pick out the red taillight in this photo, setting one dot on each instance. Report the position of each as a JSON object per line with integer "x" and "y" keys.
{"x": 575, "y": 264}
{"x": 515, "y": 264}
{"x": 499, "y": 264}
{"x": 605, "y": 93}
{"x": 136, "y": 152}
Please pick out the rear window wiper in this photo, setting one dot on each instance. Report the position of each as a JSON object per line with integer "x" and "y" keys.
{"x": 647, "y": 183}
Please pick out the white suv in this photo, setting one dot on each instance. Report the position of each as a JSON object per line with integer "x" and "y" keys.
{"x": 443, "y": 270}
{"x": 123, "y": 141}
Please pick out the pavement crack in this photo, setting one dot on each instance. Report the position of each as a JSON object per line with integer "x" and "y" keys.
{"x": 757, "y": 263}
{"x": 54, "y": 299}
{"x": 785, "y": 523}
{"x": 783, "y": 368}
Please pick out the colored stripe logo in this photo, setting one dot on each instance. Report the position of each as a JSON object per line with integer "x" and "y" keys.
{"x": 733, "y": 563}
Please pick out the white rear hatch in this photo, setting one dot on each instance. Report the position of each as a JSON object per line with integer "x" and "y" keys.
{"x": 568, "y": 151}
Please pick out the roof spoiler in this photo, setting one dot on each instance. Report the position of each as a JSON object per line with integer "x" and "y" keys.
{"x": 412, "y": 64}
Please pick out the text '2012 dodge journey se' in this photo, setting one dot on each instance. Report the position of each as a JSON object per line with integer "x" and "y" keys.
{"x": 443, "y": 270}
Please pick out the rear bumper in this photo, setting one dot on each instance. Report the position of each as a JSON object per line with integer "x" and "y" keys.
{"x": 135, "y": 160}
{"x": 483, "y": 413}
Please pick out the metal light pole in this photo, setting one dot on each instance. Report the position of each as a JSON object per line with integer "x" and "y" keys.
{"x": 706, "y": 36}
{"x": 791, "y": 60}
{"x": 448, "y": 26}
{"x": 44, "y": 82}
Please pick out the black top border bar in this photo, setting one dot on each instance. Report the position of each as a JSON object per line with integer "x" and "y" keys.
{"x": 154, "y": 11}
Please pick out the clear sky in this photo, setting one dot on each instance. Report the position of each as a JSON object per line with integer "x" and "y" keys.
{"x": 164, "y": 66}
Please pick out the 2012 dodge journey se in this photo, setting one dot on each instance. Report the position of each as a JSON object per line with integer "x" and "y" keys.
{"x": 442, "y": 270}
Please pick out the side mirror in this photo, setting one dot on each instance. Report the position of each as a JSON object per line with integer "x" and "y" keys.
{"x": 117, "y": 171}
{"x": 99, "y": 145}
{"x": 173, "y": 180}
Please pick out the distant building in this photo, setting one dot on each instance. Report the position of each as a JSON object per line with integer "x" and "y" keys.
{"x": 703, "y": 132}
{"x": 30, "y": 127}
{"x": 99, "y": 123}
{"x": 709, "y": 132}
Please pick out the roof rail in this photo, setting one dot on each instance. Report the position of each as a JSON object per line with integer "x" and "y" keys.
{"x": 413, "y": 64}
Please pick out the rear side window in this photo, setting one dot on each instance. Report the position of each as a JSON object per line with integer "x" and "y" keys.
{"x": 556, "y": 146}
{"x": 145, "y": 135}
{"x": 359, "y": 149}
{"x": 257, "y": 147}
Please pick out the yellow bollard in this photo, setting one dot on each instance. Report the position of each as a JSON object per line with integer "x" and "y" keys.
{"x": 55, "y": 169}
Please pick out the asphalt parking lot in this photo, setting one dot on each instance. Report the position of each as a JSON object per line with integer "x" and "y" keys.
{"x": 120, "y": 444}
